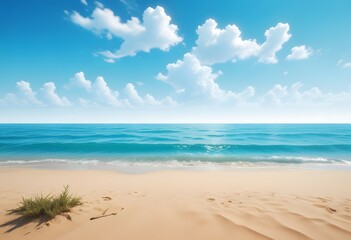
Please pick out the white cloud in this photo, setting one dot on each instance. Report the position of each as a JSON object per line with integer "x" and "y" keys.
{"x": 134, "y": 97}
{"x": 168, "y": 101}
{"x": 79, "y": 80}
{"x": 275, "y": 38}
{"x": 108, "y": 60}
{"x": 192, "y": 79}
{"x": 49, "y": 92}
{"x": 287, "y": 96}
{"x": 28, "y": 94}
{"x": 242, "y": 98}
{"x": 215, "y": 45}
{"x": 103, "y": 21}
{"x": 151, "y": 100}
{"x": 84, "y": 102}
{"x": 130, "y": 5}
{"x": 84, "y": 2}
{"x": 344, "y": 64}
{"x": 99, "y": 90}
{"x": 275, "y": 94}
{"x": 299, "y": 53}
{"x": 10, "y": 99}
{"x": 156, "y": 31}
{"x": 104, "y": 94}
{"x": 99, "y": 4}
{"x": 133, "y": 94}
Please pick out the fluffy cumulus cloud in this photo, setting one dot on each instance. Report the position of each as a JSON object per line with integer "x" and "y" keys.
{"x": 299, "y": 53}
{"x": 96, "y": 94}
{"x": 193, "y": 80}
{"x": 79, "y": 80}
{"x": 104, "y": 94}
{"x": 29, "y": 96}
{"x": 275, "y": 38}
{"x": 133, "y": 94}
{"x": 49, "y": 90}
{"x": 26, "y": 96}
{"x": 167, "y": 101}
{"x": 195, "y": 87}
{"x": 103, "y": 22}
{"x": 215, "y": 45}
{"x": 100, "y": 93}
{"x": 134, "y": 97}
{"x": 294, "y": 95}
{"x": 155, "y": 31}
{"x": 190, "y": 78}
{"x": 275, "y": 94}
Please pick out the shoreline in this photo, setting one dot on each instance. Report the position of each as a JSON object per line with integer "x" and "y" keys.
{"x": 139, "y": 167}
{"x": 245, "y": 204}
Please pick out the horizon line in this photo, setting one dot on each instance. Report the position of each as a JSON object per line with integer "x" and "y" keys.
{"x": 180, "y": 123}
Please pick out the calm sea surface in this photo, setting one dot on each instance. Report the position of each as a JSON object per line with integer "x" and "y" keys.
{"x": 224, "y": 145}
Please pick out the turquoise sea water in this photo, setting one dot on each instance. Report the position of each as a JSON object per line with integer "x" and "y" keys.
{"x": 225, "y": 145}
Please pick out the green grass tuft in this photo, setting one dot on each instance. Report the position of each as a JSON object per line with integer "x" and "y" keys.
{"x": 49, "y": 205}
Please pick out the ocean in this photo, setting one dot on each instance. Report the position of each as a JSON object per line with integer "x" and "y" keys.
{"x": 175, "y": 145}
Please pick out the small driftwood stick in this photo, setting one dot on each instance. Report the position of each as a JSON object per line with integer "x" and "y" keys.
{"x": 111, "y": 214}
{"x": 104, "y": 212}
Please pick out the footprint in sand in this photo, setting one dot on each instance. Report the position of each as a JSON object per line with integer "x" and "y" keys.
{"x": 211, "y": 199}
{"x": 227, "y": 203}
{"x": 331, "y": 210}
{"x": 322, "y": 199}
{"x": 107, "y": 198}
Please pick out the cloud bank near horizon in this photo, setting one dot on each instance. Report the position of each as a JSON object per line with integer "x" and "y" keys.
{"x": 203, "y": 86}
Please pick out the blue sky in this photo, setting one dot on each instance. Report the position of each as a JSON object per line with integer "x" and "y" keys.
{"x": 175, "y": 61}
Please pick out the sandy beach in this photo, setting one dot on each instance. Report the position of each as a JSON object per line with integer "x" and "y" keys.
{"x": 240, "y": 204}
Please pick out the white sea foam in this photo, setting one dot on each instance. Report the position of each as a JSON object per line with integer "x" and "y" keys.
{"x": 297, "y": 158}
{"x": 259, "y": 162}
